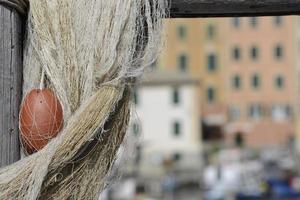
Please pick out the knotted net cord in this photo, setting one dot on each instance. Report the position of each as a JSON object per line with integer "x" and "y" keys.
{"x": 90, "y": 51}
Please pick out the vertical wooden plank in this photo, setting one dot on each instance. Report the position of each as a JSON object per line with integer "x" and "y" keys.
{"x": 10, "y": 84}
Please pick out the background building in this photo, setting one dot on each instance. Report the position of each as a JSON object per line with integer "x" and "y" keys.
{"x": 246, "y": 67}
{"x": 259, "y": 79}
{"x": 297, "y": 80}
{"x": 234, "y": 133}
{"x": 195, "y": 47}
{"x": 167, "y": 119}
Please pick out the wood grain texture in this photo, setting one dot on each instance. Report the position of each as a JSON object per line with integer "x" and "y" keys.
{"x": 207, "y": 8}
{"x": 21, "y": 6}
{"x": 10, "y": 84}
{"x": 229, "y": 8}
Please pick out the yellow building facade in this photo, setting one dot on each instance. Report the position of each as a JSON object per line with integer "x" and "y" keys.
{"x": 195, "y": 46}
{"x": 246, "y": 68}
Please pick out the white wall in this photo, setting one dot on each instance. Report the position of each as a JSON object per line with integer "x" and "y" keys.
{"x": 156, "y": 113}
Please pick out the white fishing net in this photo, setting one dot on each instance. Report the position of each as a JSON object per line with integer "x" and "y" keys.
{"x": 89, "y": 52}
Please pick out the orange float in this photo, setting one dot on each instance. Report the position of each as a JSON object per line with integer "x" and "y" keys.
{"x": 41, "y": 119}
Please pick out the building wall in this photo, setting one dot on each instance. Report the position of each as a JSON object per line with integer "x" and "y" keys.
{"x": 297, "y": 81}
{"x": 197, "y": 44}
{"x": 156, "y": 114}
{"x": 182, "y": 38}
{"x": 264, "y": 34}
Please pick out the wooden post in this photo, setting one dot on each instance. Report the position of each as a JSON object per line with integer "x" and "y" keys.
{"x": 10, "y": 84}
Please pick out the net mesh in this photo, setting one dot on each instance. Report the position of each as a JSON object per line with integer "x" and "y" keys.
{"x": 89, "y": 52}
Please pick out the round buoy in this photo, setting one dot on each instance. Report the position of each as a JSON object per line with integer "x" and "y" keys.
{"x": 41, "y": 119}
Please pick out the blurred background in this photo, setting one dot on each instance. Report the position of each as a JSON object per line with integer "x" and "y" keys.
{"x": 217, "y": 116}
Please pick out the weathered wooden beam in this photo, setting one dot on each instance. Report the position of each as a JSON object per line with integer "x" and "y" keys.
{"x": 21, "y": 6}
{"x": 208, "y": 8}
{"x": 230, "y": 8}
{"x": 10, "y": 84}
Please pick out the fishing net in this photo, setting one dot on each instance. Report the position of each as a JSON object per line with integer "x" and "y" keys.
{"x": 90, "y": 53}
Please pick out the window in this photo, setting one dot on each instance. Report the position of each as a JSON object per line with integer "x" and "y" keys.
{"x": 234, "y": 112}
{"x": 236, "y": 22}
{"x": 279, "y": 82}
{"x": 177, "y": 157}
{"x": 253, "y": 21}
{"x": 255, "y": 111}
{"x": 255, "y": 82}
{"x": 278, "y": 20}
{"x": 280, "y": 112}
{"x": 254, "y": 52}
{"x": 278, "y": 52}
{"x": 176, "y": 128}
{"x": 236, "y": 82}
{"x": 211, "y": 94}
{"x": 211, "y": 31}
{"x": 176, "y": 96}
{"x": 183, "y": 62}
{"x": 211, "y": 62}
{"x": 236, "y": 53}
{"x": 135, "y": 97}
{"x": 182, "y": 32}
{"x": 136, "y": 129}
{"x": 288, "y": 110}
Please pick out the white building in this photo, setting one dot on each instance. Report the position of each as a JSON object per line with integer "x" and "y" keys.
{"x": 167, "y": 119}
{"x": 297, "y": 82}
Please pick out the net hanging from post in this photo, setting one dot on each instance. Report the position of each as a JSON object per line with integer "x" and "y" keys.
{"x": 90, "y": 53}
